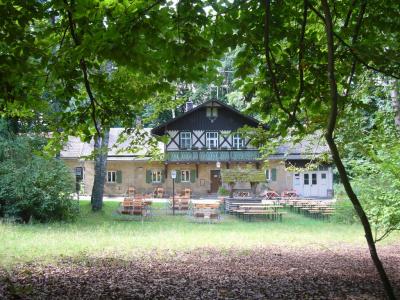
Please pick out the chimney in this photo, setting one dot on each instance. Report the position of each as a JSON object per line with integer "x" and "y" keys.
{"x": 188, "y": 106}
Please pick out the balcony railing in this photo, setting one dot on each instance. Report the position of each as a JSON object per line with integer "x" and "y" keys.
{"x": 212, "y": 155}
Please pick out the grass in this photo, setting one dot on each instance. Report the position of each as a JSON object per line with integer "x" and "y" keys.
{"x": 99, "y": 234}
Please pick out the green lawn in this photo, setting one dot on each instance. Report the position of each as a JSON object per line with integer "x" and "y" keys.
{"x": 100, "y": 234}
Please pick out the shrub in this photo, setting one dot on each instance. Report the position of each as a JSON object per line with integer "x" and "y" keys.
{"x": 33, "y": 187}
{"x": 223, "y": 191}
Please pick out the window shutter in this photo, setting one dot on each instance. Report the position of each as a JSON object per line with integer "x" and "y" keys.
{"x": 273, "y": 174}
{"x": 178, "y": 176}
{"x": 193, "y": 176}
{"x": 162, "y": 176}
{"x": 148, "y": 176}
{"x": 119, "y": 176}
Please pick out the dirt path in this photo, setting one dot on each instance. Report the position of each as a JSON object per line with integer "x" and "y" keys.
{"x": 268, "y": 273}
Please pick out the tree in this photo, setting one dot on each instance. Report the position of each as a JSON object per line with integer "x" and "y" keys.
{"x": 21, "y": 74}
{"x": 96, "y": 42}
{"x": 299, "y": 62}
{"x": 396, "y": 103}
{"x": 373, "y": 160}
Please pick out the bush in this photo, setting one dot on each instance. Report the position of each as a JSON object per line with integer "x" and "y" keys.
{"x": 223, "y": 191}
{"x": 344, "y": 212}
{"x": 33, "y": 187}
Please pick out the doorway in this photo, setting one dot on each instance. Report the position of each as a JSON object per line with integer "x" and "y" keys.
{"x": 215, "y": 180}
{"x": 311, "y": 184}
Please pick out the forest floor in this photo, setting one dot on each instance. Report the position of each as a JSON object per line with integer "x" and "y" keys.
{"x": 171, "y": 257}
{"x": 264, "y": 273}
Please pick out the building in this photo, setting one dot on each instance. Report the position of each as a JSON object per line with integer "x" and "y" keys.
{"x": 202, "y": 141}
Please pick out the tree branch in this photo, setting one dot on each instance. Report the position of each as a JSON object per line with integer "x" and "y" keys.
{"x": 387, "y": 232}
{"x": 349, "y": 13}
{"x": 274, "y": 82}
{"x": 301, "y": 60}
{"x": 83, "y": 66}
{"x": 144, "y": 11}
{"x": 357, "y": 57}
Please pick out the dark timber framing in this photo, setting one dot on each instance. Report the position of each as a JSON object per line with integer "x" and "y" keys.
{"x": 199, "y": 123}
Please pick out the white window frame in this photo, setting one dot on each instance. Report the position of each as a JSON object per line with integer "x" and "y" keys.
{"x": 186, "y": 138}
{"x": 111, "y": 176}
{"x": 268, "y": 174}
{"x": 156, "y": 176}
{"x": 214, "y": 139}
{"x": 185, "y": 175}
{"x": 237, "y": 141}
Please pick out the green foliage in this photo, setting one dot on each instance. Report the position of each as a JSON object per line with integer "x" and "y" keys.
{"x": 373, "y": 159}
{"x": 344, "y": 209}
{"x": 242, "y": 175}
{"x": 33, "y": 187}
{"x": 223, "y": 191}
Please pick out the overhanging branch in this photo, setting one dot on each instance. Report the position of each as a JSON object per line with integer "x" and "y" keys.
{"x": 83, "y": 67}
{"x": 353, "y": 53}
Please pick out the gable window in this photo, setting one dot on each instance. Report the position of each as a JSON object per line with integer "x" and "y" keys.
{"x": 156, "y": 176}
{"x": 186, "y": 140}
{"x": 211, "y": 139}
{"x": 185, "y": 176}
{"x": 212, "y": 113}
{"x": 111, "y": 176}
{"x": 238, "y": 141}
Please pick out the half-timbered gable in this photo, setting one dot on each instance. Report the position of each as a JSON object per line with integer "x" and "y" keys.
{"x": 208, "y": 132}
{"x": 202, "y": 142}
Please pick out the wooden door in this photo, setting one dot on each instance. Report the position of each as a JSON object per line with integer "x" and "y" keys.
{"x": 215, "y": 180}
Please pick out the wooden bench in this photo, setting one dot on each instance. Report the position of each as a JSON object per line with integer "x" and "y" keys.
{"x": 267, "y": 213}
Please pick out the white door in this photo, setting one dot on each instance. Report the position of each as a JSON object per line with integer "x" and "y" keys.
{"x": 311, "y": 184}
{"x": 306, "y": 185}
{"x": 297, "y": 184}
{"x": 323, "y": 184}
{"x": 314, "y": 187}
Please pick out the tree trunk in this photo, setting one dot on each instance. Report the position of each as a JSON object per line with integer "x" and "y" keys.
{"x": 363, "y": 217}
{"x": 394, "y": 93}
{"x": 100, "y": 170}
{"x": 333, "y": 114}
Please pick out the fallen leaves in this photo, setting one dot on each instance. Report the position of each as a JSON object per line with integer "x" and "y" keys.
{"x": 266, "y": 273}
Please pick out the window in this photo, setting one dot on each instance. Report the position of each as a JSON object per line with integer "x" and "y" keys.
{"x": 313, "y": 178}
{"x": 156, "y": 176}
{"x": 212, "y": 139}
{"x": 323, "y": 176}
{"x": 270, "y": 174}
{"x": 306, "y": 179}
{"x": 212, "y": 112}
{"x": 111, "y": 176}
{"x": 79, "y": 173}
{"x": 267, "y": 174}
{"x": 238, "y": 141}
{"x": 185, "y": 176}
{"x": 186, "y": 140}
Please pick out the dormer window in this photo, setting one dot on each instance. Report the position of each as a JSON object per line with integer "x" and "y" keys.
{"x": 185, "y": 140}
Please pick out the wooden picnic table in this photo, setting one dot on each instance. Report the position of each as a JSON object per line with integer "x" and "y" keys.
{"x": 246, "y": 203}
{"x": 261, "y": 206}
